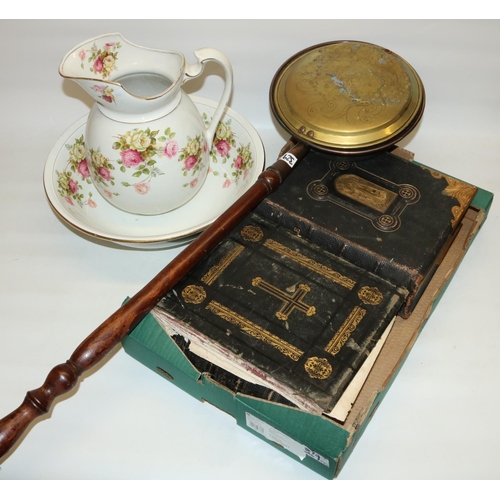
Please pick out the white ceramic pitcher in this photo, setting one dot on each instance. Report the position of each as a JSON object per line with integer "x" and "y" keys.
{"x": 147, "y": 148}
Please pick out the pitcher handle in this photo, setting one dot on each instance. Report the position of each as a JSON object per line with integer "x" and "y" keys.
{"x": 194, "y": 70}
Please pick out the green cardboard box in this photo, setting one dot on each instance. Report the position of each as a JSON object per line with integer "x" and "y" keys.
{"x": 318, "y": 442}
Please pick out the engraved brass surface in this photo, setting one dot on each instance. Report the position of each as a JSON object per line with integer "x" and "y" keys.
{"x": 375, "y": 198}
{"x": 461, "y": 191}
{"x": 365, "y": 192}
{"x": 347, "y": 96}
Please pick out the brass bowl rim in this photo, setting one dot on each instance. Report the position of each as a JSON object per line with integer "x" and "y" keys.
{"x": 354, "y": 149}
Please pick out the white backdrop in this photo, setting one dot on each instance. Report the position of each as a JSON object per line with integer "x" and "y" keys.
{"x": 440, "y": 418}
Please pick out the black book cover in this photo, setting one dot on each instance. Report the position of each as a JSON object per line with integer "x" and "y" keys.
{"x": 287, "y": 307}
{"x": 388, "y": 215}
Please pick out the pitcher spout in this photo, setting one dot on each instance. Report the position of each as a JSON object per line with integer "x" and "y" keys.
{"x": 123, "y": 77}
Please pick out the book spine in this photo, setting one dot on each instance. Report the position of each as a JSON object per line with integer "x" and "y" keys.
{"x": 356, "y": 254}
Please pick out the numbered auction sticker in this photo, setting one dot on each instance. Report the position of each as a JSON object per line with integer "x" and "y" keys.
{"x": 289, "y": 159}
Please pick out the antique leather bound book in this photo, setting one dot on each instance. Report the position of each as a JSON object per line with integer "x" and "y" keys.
{"x": 291, "y": 304}
{"x": 298, "y": 318}
{"x": 383, "y": 213}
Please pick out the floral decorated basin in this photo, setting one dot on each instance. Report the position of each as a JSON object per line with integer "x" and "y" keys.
{"x": 237, "y": 147}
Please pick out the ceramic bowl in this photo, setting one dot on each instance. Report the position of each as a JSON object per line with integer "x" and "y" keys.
{"x": 235, "y": 164}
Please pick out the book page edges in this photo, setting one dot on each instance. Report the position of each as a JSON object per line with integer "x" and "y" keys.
{"x": 216, "y": 354}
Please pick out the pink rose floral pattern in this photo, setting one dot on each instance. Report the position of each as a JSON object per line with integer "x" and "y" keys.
{"x": 103, "y": 170}
{"x": 224, "y": 141}
{"x": 138, "y": 153}
{"x": 171, "y": 147}
{"x": 191, "y": 156}
{"x": 243, "y": 162}
{"x": 103, "y": 61}
{"x": 138, "y": 149}
{"x": 224, "y": 147}
{"x": 104, "y": 92}
{"x": 69, "y": 182}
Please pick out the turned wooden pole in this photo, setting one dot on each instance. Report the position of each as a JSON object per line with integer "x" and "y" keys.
{"x": 62, "y": 378}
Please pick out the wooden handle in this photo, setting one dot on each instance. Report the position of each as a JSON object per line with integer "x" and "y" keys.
{"x": 62, "y": 378}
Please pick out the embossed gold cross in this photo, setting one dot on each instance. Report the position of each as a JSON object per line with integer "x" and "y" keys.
{"x": 291, "y": 302}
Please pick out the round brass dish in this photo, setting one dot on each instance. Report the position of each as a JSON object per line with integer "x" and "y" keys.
{"x": 347, "y": 97}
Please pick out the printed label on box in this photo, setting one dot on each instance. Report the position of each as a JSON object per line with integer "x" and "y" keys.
{"x": 283, "y": 440}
